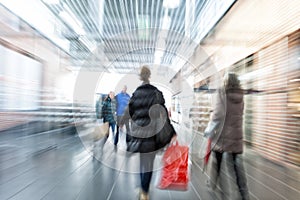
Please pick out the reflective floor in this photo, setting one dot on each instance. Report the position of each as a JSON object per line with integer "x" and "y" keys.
{"x": 56, "y": 165}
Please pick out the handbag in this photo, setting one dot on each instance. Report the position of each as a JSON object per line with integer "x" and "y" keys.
{"x": 175, "y": 168}
{"x": 101, "y": 131}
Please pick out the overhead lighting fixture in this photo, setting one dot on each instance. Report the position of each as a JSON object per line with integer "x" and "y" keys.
{"x": 91, "y": 46}
{"x": 51, "y": 1}
{"x": 158, "y": 56}
{"x": 166, "y": 22}
{"x": 295, "y": 80}
{"x": 72, "y": 20}
{"x": 171, "y": 4}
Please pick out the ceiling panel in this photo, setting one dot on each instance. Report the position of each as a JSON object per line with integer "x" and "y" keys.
{"x": 125, "y": 33}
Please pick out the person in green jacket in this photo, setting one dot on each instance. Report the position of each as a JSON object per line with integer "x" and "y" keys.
{"x": 109, "y": 111}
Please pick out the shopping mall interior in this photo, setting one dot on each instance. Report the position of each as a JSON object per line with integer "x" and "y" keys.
{"x": 60, "y": 58}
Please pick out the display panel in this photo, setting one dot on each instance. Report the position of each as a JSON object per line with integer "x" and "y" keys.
{"x": 20, "y": 81}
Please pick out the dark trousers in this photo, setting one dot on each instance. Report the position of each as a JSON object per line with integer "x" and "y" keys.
{"x": 216, "y": 168}
{"x": 118, "y": 129}
{"x": 146, "y": 168}
{"x": 236, "y": 161}
{"x": 234, "y": 165}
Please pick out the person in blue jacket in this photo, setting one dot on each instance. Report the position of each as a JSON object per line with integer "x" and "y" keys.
{"x": 122, "y": 100}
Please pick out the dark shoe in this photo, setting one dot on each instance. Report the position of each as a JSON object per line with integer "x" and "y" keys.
{"x": 245, "y": 195}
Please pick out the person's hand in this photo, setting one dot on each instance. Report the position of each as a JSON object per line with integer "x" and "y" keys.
{"x": 206, "y": 134}
{"x": 174, "y": 138}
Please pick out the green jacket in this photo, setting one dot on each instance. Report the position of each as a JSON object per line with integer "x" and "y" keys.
{"x": 109, "y": 110}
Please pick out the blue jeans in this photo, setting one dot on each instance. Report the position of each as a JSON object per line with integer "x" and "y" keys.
{"x": 112, "y": 126}
{"x": 146, "y": 168}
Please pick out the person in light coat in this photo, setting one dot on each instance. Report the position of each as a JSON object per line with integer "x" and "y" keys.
{"x": 227, "y": 134}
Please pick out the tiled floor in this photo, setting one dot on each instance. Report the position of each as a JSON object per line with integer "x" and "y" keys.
{"x": 60, "y": 165}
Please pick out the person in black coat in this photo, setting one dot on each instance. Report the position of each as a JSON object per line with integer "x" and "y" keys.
{"x": 147, "y": 111}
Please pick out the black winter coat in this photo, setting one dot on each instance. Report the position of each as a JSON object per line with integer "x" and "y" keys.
{"x": 147, "y": 110}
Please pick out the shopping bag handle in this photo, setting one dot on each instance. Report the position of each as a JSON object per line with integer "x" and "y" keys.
{"x": 174, "y": 139}
{"x": 174, "y": 143}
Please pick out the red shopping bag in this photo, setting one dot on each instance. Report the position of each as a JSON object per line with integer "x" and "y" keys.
{"x": 174, "y": 174}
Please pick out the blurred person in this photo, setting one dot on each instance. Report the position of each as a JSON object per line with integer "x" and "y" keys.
{"x": 122, "y": 100}
{"x": 109, "y": 111}
{"x": 144, "y": 121}
{"x": 98, "y": 108}
{"x": 229, "y": 137}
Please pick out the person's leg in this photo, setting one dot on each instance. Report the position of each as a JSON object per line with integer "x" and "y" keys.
{"x": 219, "y": 161}
{"x": 224, "y": 177}
{"x": 118, "y": 123}
{"x": 241, "y": 179}
{"x": 110, "y": 127}
{"x": 127, "y": 126}
{"x": 116, "y": 139}
{"x": 116, "y": 136}
{"x": 215, "y": 170}
{"x": 146, "y": 167}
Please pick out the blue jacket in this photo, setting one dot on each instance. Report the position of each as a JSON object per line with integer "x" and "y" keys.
{"x": 122, "y": 102}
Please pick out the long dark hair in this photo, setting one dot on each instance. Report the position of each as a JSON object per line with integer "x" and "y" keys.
{"x": 231, "y": 81}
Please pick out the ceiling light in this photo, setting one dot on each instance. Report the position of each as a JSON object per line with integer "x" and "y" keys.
{"x": 158, "y": 56}
{"x": 51, "y": 1}
{"x": 295, "y": 80}
{"x": 171, "y": 3}
{"x": 76, "y": 26}
{"x": 166, "y": 22}
{"x": 91, "y": 46}
{"x": 72, "y": 20}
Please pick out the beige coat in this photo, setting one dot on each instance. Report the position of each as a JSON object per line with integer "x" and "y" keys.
{"x": 228, "y": 113}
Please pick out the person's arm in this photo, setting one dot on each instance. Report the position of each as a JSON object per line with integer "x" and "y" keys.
{"x": 161, "y": 101}
{"x": 219, "y": 110}
{"x": 117, "y": 102}
{"x": 217, "y": 115}
{"x": 104, "y": 109}
{"x": 126, "y": 116}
